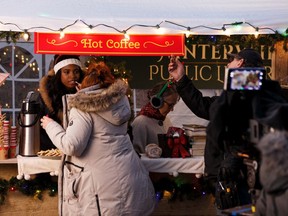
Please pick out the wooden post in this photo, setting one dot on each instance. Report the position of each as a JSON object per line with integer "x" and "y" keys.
{"x": 280, "y": 65}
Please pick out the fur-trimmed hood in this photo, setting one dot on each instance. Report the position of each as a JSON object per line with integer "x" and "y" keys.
{"x": 91, "y": 100}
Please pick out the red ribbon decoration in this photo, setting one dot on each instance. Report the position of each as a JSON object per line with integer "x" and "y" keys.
{"x": 177, "y": 142}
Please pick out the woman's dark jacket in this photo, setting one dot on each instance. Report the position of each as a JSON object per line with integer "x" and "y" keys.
{"x": 47, "y": 107}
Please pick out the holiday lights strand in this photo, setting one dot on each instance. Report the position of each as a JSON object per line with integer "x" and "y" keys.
{"x": 157, "y": 26}
{"x": 165, "y": 188}
{"x": 34, "y": 187}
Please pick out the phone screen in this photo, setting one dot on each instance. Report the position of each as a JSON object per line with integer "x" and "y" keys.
{"x": 244, "y": 78}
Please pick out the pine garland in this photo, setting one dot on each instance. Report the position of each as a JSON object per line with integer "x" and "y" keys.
{"x": 267, "y": 40}
{"x": 10, "y": 36}
{"x": 34, "y": 187}
{"x": 178, "y": 188}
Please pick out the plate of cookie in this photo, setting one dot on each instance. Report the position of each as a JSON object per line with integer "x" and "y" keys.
{"x": 54, "y": 154}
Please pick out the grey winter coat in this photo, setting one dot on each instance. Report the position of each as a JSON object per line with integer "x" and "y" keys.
{"x": 101, "y": 173}
{"x": 273, "y": 200}
{"x": 145, "y": 131}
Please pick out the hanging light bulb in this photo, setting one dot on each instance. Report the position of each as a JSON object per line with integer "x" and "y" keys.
{"x": 26, "y": 35}
{"x": 227, "y": 32}
{"x": 238, "y": 27}
{"x": 62, "y": 34}
{"x": 159, "y": 30}
{"x": 126, "y": 36}
{"x": 188, "y": 32}
{"x": 256, "y": 34}
{"x": 89, "y": 29}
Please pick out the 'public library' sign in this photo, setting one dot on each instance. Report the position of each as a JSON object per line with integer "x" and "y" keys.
{"x": 109, "y": 44}
{"x": 205, "y": 64}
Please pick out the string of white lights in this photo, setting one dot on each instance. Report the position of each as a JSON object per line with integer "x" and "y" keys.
{"x": 62, "y": 30}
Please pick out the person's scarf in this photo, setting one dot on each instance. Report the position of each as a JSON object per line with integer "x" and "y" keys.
{"x": 151, "y": 112}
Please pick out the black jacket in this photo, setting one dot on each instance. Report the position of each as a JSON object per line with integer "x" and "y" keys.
{"x": 229, "y": 115}
{"x": 194, "y": 99}
{"x": 50, "y": 108}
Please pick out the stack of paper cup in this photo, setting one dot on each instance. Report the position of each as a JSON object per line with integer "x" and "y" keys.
{"x": 13, "y": 142}
{"x": 5, "y": 142}
{"x": 1, "y": 139}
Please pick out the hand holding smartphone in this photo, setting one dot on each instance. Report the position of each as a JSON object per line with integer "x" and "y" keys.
{"x": 176, "y": 68}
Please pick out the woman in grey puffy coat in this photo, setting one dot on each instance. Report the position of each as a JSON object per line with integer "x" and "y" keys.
{"x": 101, "y": 172}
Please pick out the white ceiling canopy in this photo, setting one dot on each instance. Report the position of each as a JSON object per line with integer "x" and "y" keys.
{"x": 144, "y": 16}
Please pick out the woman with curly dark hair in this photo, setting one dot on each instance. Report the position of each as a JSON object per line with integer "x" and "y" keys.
{"x": 62, "y": 79}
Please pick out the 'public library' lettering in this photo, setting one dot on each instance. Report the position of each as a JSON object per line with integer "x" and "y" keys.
{"x": 205, "y": 64}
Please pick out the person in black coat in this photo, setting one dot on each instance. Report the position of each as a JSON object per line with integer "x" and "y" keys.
{"x": 229, "y": 115}
{"x": 62, "y": 79}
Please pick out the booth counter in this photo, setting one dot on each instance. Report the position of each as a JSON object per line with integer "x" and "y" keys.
{"x": 34, "y": 165}
{"x": 17, "y": 203}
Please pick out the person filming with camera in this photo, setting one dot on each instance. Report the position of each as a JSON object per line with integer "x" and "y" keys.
{"x": 228, "y": 130}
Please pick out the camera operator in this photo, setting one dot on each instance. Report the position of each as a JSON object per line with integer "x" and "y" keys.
{"x": 228, "y": 129}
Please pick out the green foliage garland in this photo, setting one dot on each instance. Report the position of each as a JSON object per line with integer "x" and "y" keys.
{"x": 178, "y": 188}
{"x": 10, "y": 36}
{"x": 267, "y": 40}
{"x": 33, "y": 187}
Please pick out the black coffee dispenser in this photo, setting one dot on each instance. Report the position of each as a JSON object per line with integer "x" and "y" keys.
{"x": 29, "y": 122}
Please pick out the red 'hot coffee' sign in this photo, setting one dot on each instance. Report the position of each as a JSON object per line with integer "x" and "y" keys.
{"x": 109, "y": 44}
